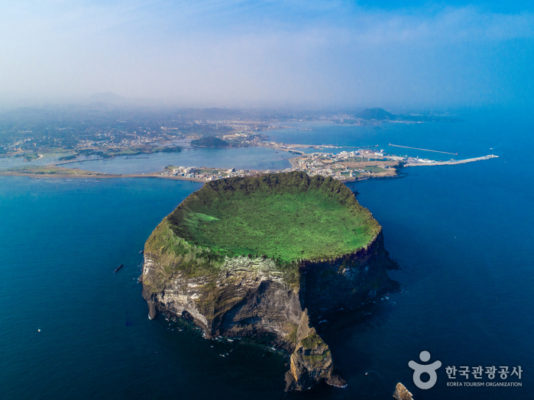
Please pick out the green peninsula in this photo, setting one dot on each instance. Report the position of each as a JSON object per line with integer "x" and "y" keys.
{"x": 267, "y": 257}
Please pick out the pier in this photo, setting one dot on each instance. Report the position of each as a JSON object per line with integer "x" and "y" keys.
{"x": 422, "y": 149}
{"x": 429, "y": 163}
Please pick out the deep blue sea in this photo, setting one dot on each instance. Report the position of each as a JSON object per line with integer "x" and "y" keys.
{"x": 462, "y": 235}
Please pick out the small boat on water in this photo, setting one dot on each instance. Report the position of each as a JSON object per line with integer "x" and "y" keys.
{"x": 118, "y": 268}
{"x": 141, "y": 251}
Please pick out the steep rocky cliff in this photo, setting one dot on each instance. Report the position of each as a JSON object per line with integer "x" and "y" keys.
{"x": 254, "y": 285}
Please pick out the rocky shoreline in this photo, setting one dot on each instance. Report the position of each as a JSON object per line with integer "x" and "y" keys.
{"x": 247, "y": 298}
{"x": 252, "y": 297}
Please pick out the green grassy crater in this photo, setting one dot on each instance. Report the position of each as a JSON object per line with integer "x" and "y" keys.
{"x": 286, "y": 217}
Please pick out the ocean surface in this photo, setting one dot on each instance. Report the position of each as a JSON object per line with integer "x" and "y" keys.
{"x": 462, "y": 235}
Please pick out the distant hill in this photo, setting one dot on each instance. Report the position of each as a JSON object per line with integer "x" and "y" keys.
{"x": 210, "y": 141}
{"x": 376, "y": 113}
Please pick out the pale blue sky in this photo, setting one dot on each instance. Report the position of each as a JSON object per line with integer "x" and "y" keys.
{"x": 269, "y": 53}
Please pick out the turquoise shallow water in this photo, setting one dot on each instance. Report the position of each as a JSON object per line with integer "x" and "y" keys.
{"x": 17, "y": 162}
{"x": 241, "y": 157}
{"x": 247, "y": 158}
{"x": 463, "y": 236}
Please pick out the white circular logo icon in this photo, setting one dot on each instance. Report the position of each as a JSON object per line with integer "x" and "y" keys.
{"x": 424, "y": 369}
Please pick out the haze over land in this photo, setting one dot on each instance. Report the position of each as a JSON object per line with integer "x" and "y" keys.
{"x": 257, "y": 54}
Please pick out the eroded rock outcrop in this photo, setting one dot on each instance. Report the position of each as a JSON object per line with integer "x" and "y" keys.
{"x": 401, "y": 393}
{"x": 274, "y": 301}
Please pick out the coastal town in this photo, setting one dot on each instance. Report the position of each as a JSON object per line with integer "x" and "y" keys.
{"x": 345, "y": 166}
{"x": 72, "y": 141}
{"x": 103, "y": 132}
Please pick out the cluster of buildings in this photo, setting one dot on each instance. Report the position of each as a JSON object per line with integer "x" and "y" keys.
{"x": 206, "y": 174}
{"x": 347, "y": 165}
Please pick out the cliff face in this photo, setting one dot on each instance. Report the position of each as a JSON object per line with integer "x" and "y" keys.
{"x": 347, "y": 282}
{"x": 253, "y": 296}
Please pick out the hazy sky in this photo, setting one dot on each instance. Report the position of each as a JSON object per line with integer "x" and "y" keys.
{"x": 269, "y": 53}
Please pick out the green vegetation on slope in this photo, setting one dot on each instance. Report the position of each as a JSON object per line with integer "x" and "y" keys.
{"x": 286, "y": 217}
{"x": 173, "y": 253}
{"x": 210, "y": 141}
{"x": 50, "y": 170}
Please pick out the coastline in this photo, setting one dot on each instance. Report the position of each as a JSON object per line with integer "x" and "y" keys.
{"x": 345, "y": 166}
{"x": 95, "y": 175}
